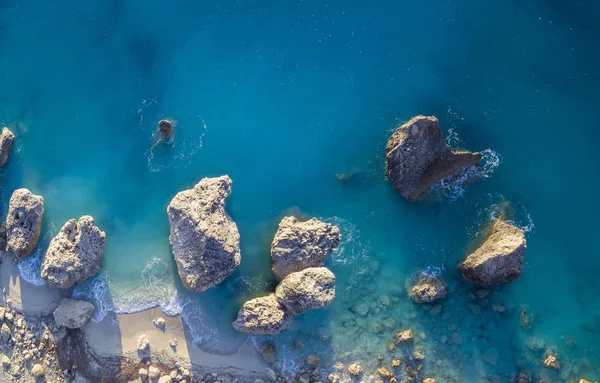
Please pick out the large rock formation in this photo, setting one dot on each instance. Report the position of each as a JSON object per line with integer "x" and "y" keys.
{"x": 73, "y": 313}
{"x": 299, "y": 245}
{"x": 74, "y": 254}
{"x": 417, "y": 157}
{"x": 204, "y": 239}
{"x": 499, "y": 259}
{"x": 23, "y": 222}
{"x": 6, "y": 142}
{"x": 263, "y": 315}
{"x": 306, "y": 290}
{"x": 427, "y": 289}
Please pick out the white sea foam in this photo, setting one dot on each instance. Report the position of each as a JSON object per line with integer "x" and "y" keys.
{"x": 351, "y": 249}
{"x": 30, "y": 268}
{"x": 453, "y": 186}
{"x": 179, "y": 152}
{"x": 96, "y": 290}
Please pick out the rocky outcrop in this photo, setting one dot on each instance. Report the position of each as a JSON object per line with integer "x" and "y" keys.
{"x": 306, "y": 290}
{"x": 73, "y": 313}
{"x": 74, "y": 254}
{"x": 499, "y": 259}
{"x": 427, "y": 289}
{"x": 6, "y": 142}
{"x": 300, "y": 245}
{"x": 417, "y": 157}
{"x": 23, "y": 222}
{"x": 204, "y": 239}
{"x": 263, "y": 315}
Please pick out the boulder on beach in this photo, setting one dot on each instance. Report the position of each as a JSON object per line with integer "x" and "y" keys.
{"x": 300, "y": 245}
{"x": 6, "y": 142}
{"x": 74, "y": 254}
{"x": 499, "y": 259}
{"x": 263, "y": 315}
{"x": 204, "y": 239}
{"x": 306, "y": 290}
{"x": 427, "y": 289}
{"x": 23, "y": 222}
{"x": 417, "y": 157}
{"x": 73, "y": 313}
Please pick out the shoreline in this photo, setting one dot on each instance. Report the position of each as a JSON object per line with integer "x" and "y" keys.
{"x": 107, "y": 350}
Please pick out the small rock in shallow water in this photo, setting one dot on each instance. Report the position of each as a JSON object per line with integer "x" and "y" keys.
{"x": 527, "y": 318}
{"x": 428, "y": 380}
{"x": 385, "y": 373}
{"x": 443, "y": 339}
{"x": 360, "y": 309}
{"x": 475, "y": 308}
{"x": 355, "y": 369}
{"x": 551, "y": 361}
{"x": 499, "y": 308}
{"x": 419, "y": 353}
{"x": 405, "y": 336}
{"x": 435, "y": 310}
{"x": 482, "y": 293}
{"x": 428, "y": 289}
{"x": 396, "y": 363}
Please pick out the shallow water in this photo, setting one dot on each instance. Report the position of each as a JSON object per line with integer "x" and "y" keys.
{"x": 284, "y": 95}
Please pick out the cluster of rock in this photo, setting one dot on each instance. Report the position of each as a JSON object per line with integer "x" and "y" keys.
{"x": 158, "y": 374}
{"x": 33, "y": 345}
{"x": 417, "y": 157}
{"x": 205, "y": 241}
{"x": 299, "y": 250}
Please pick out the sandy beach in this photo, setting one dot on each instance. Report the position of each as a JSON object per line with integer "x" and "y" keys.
{"x": 107, "y": 351}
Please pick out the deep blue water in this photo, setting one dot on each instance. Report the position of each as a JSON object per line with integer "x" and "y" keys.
{"x": 283, "y": 95}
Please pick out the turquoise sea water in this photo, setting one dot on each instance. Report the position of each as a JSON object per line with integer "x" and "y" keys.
{"x": 282, "y": 96}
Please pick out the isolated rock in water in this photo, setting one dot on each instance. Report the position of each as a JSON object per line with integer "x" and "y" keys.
{"x": 269, "y": 352}
{"x": 417, "y": 157}
{"x": 74, "y": 254}
{"x": 263, "y": 316}
{"x": 499, "y": 259}
{"x": 6, "y": 142}
{"x": 299, "y": 245}
{"x": 428, "y": 289}
{"x": 23, "y": 222}
{"x": 204, "y": 239}
{"x": 73, "y": 313}
{"x": 306, "y": 290}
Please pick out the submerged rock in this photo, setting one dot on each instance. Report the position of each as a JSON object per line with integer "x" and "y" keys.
{"x": 417, "y": 157}
{"x": 74, "y": 254}
{"x": 204, "y": 239}
{"x": 73, "y": 313}
{"x": 499, "y": 259}
{"x": 300, "y": 245}
{"x": 405, "y": 336}
{"x": 23, "y": 222}
{"x": 551, "y": 361}
{"x": 428, "y": 289}
{"x": 269, "y": 352}
{"x": 306, "y": 290}
{"x": 263, "y": 315}
{"x": 6, "y": 142}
